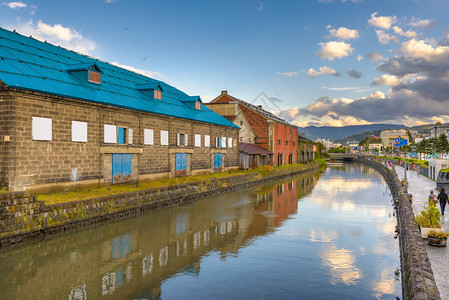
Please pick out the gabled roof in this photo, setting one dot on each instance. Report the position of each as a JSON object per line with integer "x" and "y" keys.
{"x": 253, "y": 149}
{"x": 257, "y": 108}
{"x": 28, "y": 64}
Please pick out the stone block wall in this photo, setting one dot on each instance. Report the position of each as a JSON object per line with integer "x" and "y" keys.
{"x": 418, "y": 281}
{"x": 23, "y": 217}
{"x": 34, "y": 164}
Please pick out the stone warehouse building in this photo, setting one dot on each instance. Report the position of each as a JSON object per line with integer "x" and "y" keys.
{"x": 260, "y": 127}
{"x": 67, "y": 118}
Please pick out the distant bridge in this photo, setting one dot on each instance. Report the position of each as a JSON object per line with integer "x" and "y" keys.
{"x": 342, "y": 156}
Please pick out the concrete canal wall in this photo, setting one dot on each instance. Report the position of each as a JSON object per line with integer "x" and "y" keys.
{"x": 418, "y": 281}
{"x": 23, "y": 217}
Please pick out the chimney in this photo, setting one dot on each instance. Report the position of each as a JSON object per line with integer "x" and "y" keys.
{"x": 224, "y": 92}
{"x": 259, "y": 106}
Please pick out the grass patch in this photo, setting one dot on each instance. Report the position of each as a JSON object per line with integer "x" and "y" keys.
{"x": 101, "y": 191}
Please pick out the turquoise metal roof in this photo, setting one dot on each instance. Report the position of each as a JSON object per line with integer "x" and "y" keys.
{"x": 26, "y": 63}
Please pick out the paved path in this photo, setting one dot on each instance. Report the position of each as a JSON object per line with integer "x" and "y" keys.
{"x": 419, "y": 187}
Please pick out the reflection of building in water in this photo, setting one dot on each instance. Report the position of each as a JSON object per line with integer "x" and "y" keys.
{"x": 129, "y": 259}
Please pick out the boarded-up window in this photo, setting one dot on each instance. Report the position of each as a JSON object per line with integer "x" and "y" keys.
{"x": 164, "y": 138}
{"x": 207, "y": 141}
{"x": 223, "y": 142}
{"x": 229, "y": 142}
{"x": 197, "y": 140}
{"x": 148, "y": 138}
{"x": 41, "y": 129}
{"x": 157, "y": 94}
{"x": 130, "y": 136}
{"x": 94, "y": 77}
{"x": 79, "y": 131}
{"x": 110, "y": 134}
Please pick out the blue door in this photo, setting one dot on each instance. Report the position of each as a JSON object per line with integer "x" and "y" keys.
{"x": 121, "y": 168}
{"x": 181, "y": 164}
{"x": 218, "y": 162}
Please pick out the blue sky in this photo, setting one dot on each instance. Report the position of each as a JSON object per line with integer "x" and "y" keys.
{"x": 328, "y": 62}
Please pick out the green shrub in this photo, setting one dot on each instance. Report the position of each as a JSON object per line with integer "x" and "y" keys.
{"x": 264, "y": 170}
{"x": 439, "y": 234}
{"x": 429, "y": 216}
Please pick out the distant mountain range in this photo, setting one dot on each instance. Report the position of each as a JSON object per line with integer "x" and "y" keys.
{"x": 332, "y": 133}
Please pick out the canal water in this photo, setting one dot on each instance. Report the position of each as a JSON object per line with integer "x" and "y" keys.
{"x": 323, "y": 235}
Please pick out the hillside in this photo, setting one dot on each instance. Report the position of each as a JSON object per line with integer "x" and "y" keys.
{"x": 333, "y": 133}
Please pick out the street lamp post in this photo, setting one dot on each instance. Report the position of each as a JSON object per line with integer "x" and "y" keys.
{"x": 405, "y": 171}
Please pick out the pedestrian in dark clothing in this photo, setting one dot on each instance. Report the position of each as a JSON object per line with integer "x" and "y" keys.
{"x": 442, "y": 197}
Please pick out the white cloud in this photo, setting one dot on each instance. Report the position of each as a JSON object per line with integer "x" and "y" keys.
{"x": 420, "y": 49}
{"x": 56, "y": 34}
{"x": 61, "y": 32}
{"x": 385, "y": 38}
{"x": 287, "y": 74}
{"x": 110, "y": 1}
{"x": 332, "y": 50}
{"x": 148, "y": 73}
{"x": 421, "y": 23}
{"x": 382, "y": 22}
{"x": 322, "y": 71}
{"x": 15, "y": 5}
{"x": 407, "y": 34}
{"x": 359, "y": 57}
{"x": 260, "y": 6}
{"x": 386, "y": 80}
{"x": 343, "y": 33}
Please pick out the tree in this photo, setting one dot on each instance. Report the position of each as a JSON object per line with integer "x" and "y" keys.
{"x": 443, "y": 144}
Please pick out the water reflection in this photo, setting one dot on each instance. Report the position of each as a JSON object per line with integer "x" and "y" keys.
{"x": 303, "y": 237}
{"x": 341, "y": 264}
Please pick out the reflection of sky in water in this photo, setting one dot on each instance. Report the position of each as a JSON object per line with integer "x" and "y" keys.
{"x": 295, "y": 240}
{"x": 341, "y": 265}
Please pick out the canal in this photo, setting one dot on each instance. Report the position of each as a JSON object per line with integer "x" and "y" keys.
{"x": 328, "y": 234}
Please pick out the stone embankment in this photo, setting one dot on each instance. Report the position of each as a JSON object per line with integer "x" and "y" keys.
{"x": 24, "y": 217}
{"x": 418, "y": 281}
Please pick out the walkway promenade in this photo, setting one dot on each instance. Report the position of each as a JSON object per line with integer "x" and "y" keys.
{"x": 419, "y": 187}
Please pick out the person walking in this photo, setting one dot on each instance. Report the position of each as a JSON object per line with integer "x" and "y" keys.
{"x": 433, "y": 197}
{"x": 442, "y": 197}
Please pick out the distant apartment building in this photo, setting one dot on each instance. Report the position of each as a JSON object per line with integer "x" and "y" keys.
{"x": 260, "y": 127}
{"x": 438, "y": 130}
{"x": 375, "y": 144}
{"x": 388, "y": 136}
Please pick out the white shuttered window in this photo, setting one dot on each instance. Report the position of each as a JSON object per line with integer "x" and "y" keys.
{"x": 164, "y": 138}
{"x": 110, "y": 134}
{"x": 148, "y": 137}
{"x": 197, "y": 140}
{"x": 41, "y": 129}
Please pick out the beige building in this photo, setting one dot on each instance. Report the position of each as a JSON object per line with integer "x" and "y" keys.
{"x": 388, "y": 136}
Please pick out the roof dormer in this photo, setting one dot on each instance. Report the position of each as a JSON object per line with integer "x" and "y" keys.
{"x": 192, "y": 101}
{"x": 153, "y": 90}
{"x": 86, "y": 71}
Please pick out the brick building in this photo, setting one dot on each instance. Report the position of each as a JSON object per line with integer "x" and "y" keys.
{"x": 68, "y": 118}
{"x": 260, "y": 127}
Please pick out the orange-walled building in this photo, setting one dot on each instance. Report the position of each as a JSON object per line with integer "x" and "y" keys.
{"x": 260, "y": 127}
